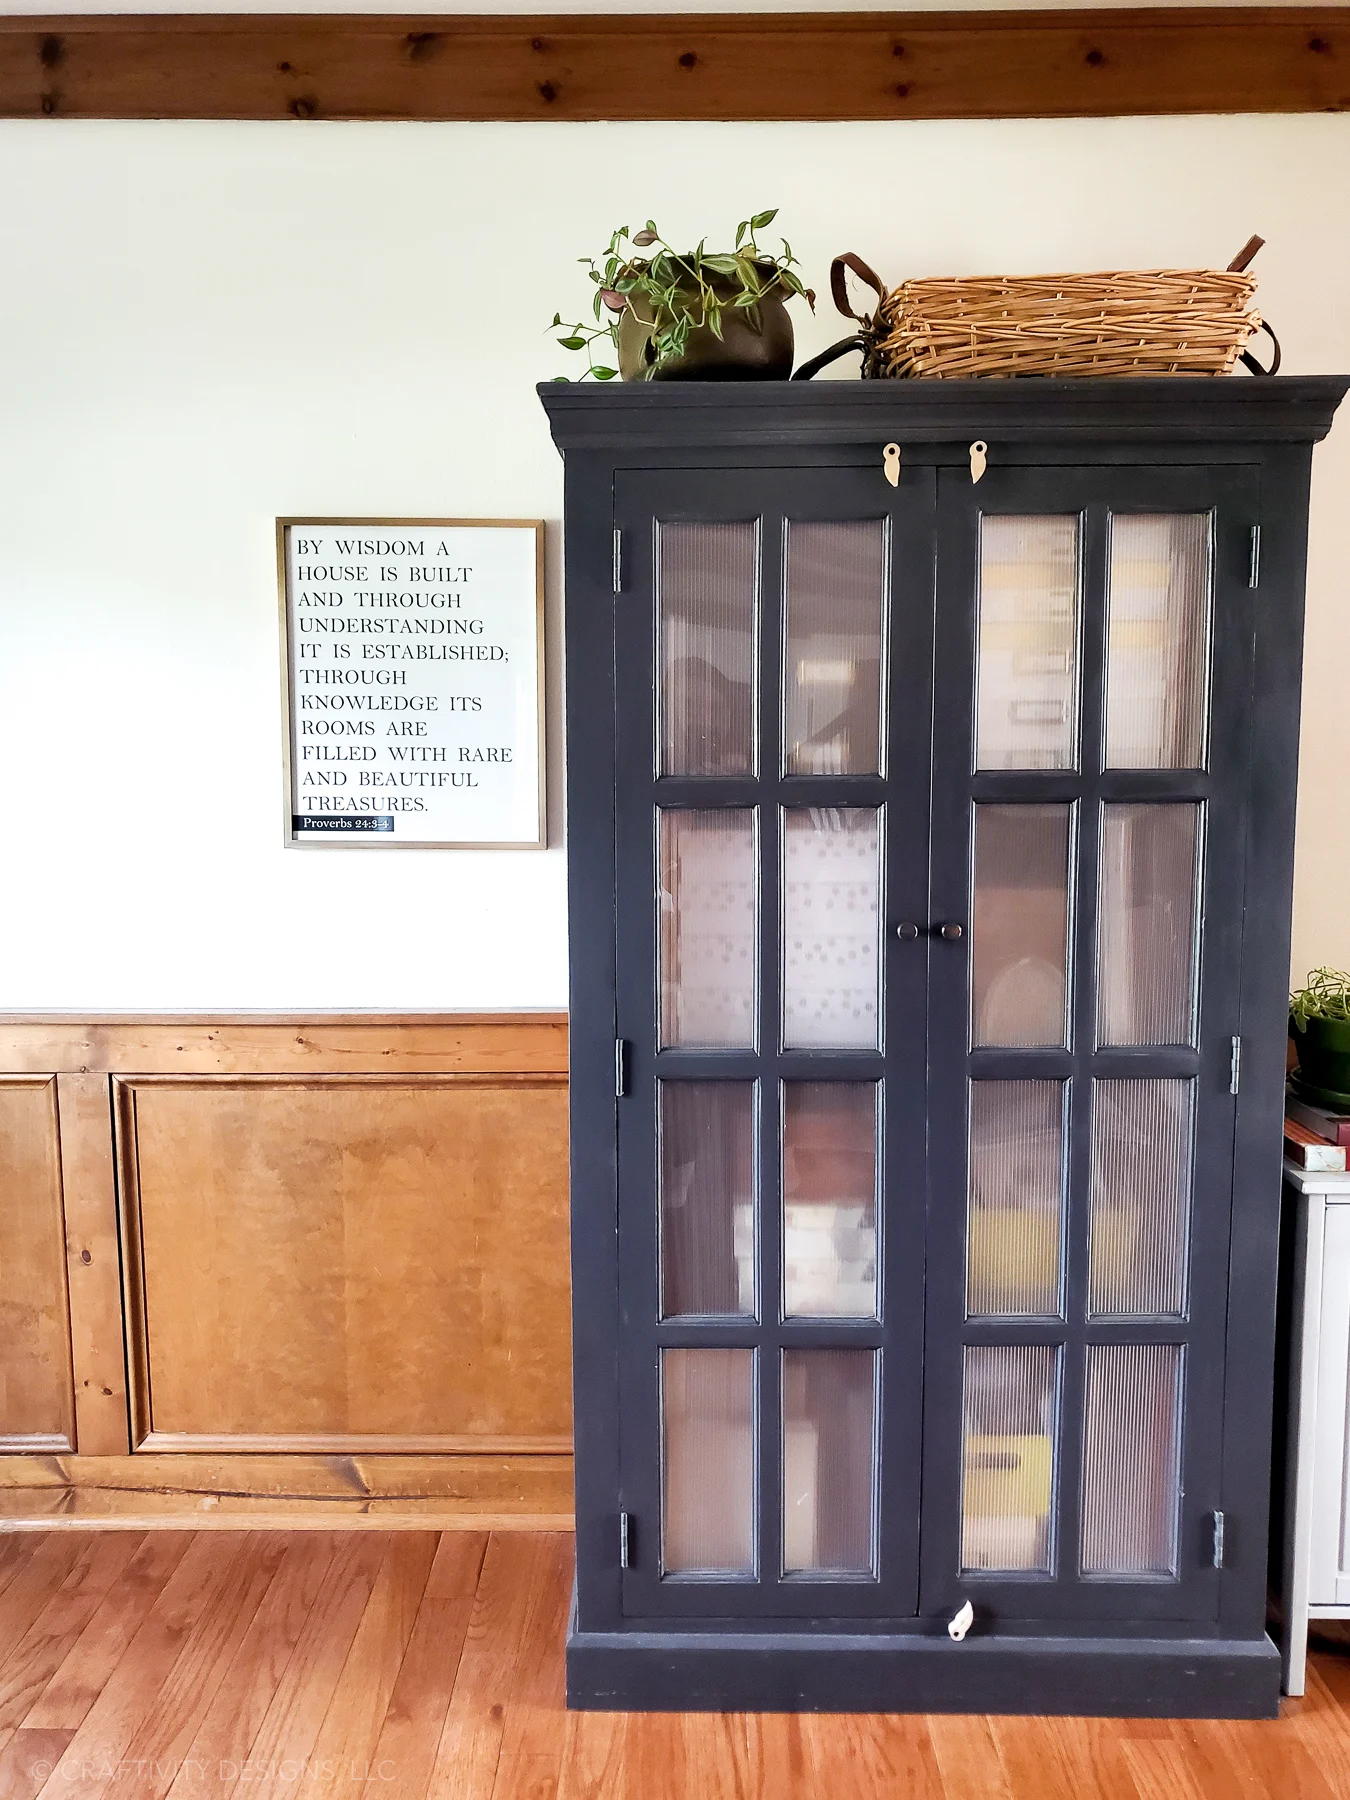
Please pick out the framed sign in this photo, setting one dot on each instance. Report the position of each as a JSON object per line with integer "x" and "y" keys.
{"x": 413, "y": 670}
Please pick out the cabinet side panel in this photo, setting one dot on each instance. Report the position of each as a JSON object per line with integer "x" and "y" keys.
{"x": 1258, "y": 1145}
{"x": 589, "y": 566}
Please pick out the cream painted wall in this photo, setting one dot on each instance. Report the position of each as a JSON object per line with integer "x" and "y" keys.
{"x": 206, "y": 325}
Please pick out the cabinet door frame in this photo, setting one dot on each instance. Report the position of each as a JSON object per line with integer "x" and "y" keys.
{"x": 772, "y": 494}
{"x": 1127, "y": 485}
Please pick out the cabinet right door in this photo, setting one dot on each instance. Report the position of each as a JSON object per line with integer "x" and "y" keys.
{"x": 1092, "y": 687}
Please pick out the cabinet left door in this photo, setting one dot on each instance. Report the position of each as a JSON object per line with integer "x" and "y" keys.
{"x": 773, "y": 661}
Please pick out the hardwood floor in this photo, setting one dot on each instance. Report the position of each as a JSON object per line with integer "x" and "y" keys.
{"x": 200, "y": 1665}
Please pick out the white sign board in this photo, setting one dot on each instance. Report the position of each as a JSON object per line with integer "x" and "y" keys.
{"x": 414, "y": 674}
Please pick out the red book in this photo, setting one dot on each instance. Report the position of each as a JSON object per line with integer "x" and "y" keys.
{"x": 1311, "y": 1152}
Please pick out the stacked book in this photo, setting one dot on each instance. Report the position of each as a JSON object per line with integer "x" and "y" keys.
{"x": 1314, "y": 1138}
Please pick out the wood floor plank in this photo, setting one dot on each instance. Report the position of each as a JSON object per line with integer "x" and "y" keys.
{"x": 232, "y": 1721}
{"x": 781, "y": 1757}
{"x": 511, "y": 1589}
{"x": 100, "y": 1647}
{"x": 525, "y": 1777}
{"x": 594, "y": 1753}
{"x": 285, "y": 1738}
{"x": 168, "y": 1725}
{"x": 40, "y": 1651}
{"x": 415, "y": 1716}
{"x": 114, "y": 1720}
{"x": 967, "y": 1758}
{"x": 1217, "y": 1772}
{"x": 344, "y": 1749}
{"x": 1160, "y": 1771}
{"x": 536, "y": 1716}
{"x": 35, "y": 1580}
{"x": 15, "y": 1549}
{"x": 1039, "y": 1757}
{"x": 708, "y": 1754}
{"x": 1093, "y": 1754}
{"x": 1320, "y": 1720}
{"x": 1277, "y": 1757}
{"x": 28, "y": 1760}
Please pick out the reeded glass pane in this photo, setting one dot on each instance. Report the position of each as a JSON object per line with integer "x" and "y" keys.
{"x": 1157, "y": 628}
{"x": 1020, "y": 925}
{"x": 829, "y": 1460}
{"x": 1008, "y": 1461}
{"x": 1141, "y": 1189}
{"x": 836, "y": 584}
{"x": 707, "y": 1175}
{"x": 831, "y": 923}
{"x": 707, "y": 905}
{"x": 1131, "y": 1459}
{"x": 708, "y": 1415}
{"x": 829, "y": 1199}
{"x": 1146, "y": 938}
{"x": 1016, "y": 1199}
{"x": 1026, "y": 716}
{"x": 706, "y": 607}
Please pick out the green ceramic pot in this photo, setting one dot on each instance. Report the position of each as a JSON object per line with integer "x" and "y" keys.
{"x": 1323, "y": 1048}
{"x": 744, "y": 352}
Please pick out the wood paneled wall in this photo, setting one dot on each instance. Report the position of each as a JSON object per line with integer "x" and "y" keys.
{"x": 317, "y": 1239}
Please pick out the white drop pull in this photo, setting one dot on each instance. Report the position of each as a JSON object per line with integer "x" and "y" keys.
{"x": 958, "y": 1626}
{"x": 890, "y": 458}
{"x": 979, "y": 450}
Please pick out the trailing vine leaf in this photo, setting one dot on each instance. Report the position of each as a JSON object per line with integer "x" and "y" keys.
{"x": 673, "y": 293}
{"x": 1325, "y": 995}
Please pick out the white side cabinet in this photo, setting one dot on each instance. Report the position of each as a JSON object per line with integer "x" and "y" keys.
{"x": 1317, "y": 1495}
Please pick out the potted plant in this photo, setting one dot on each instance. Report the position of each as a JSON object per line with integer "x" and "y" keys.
{"x": 689, "y": 315}
{"x": 1319, "y": 1023}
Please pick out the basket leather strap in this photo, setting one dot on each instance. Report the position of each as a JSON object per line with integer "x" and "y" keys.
{"x": 826, "y": 357}
{"x": 839, "y": 287}
{"x": 1251, "y": 362}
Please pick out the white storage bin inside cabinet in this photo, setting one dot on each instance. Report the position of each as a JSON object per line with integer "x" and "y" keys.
{"x": 1317, "y": 1504}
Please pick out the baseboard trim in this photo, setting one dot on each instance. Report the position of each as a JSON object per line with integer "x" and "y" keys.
{"x": 644, "y": 1671}
{"x": 289, "y": 1493}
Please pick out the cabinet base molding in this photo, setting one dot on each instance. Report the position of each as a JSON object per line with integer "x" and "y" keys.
{"x": 1105, "y": 1677}
{"x": 295, "y": 1493}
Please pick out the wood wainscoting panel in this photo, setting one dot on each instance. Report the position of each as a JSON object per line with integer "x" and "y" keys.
{"x": 37, "y": 1404}
{"x": 93, "y": 1265}
{"x": 347, "y": 1263}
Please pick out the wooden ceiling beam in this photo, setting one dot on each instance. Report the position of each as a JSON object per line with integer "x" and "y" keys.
{"x": 786, "y": 66}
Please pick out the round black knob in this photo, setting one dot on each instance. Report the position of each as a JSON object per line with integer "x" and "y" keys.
{"x": 906, "y": 931}
{"x": 951, "y": 933}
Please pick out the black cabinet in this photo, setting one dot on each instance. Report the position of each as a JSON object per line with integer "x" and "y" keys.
{"x": 930, "y": 854}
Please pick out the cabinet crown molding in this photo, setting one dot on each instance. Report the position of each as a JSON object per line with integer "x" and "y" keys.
{"x": 1170, "y": 409}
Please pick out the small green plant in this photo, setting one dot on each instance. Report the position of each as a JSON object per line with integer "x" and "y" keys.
{"x": 671, "y": 293}
{"x": 1325, "y": 995}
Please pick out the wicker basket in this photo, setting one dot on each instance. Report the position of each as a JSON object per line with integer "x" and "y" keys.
{"x": 1151, "y": 322}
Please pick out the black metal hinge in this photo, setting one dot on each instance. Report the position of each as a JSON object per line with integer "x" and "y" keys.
{"x": 625, "y": 1540}
{"x": 1254, "y": 560}
{"x": 1218, "y": 1539}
